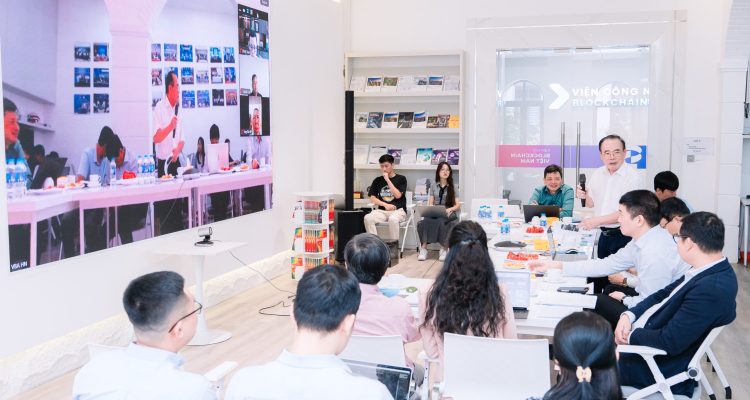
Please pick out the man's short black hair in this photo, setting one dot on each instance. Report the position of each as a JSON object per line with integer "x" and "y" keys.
{"x": 618, "y": 137}
{"x": 253, "y": 77}
{"x": 325, "y": 296}
{"x": 226, "y": 140}
{"x": 666, "y": 180}
{"x": 673, "y": 207}
{"x": 551, "y": 169}
{"x": 169, "y": 80}
{"x": 213, "y": 132}
{"x": 642, "y": 202}
{"x": 105, "y": 136}
{"x": 386, "y": 158}
{"x": 53, "y": 154}
{"x": 38, "y": 150}
{"x": 9, "y": 106}
{"x": 150, "y": 299}
{"x": 113, "y": 147}
{"x": 705, "y": 229}
{"x": 367, "y": 257}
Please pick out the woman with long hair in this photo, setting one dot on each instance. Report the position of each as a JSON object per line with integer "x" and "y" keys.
{"x": 584, "y": 348}
{"x": 435, "y": 230}
{"x": 199, "y": 160}
{"x": 466, "y": 298}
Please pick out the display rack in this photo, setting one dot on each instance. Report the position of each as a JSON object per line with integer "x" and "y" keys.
{"x": 313, "y": 233}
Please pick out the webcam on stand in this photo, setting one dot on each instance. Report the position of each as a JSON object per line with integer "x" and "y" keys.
{"x": 206, "y": 234}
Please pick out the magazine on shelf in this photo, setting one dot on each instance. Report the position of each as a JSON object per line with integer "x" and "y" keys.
{"x": 375, "y": 120}
{"x": 396, "y": 154}
{"x": 454, "y": 122}
{"x": 389, "y": 84}
{"x": 432, "y": 121}
{"x": 374, "y": 83}
{"x": 420, "y": 119}
{"x": 375, "y": 153}
{"x": 405, "y": 119}
{"x": 390, "y": 119}
{"x": 420, "y": 83}
{"x": 357, "y": 83}
{"x": 424, "y": 156}
{"x": 405, "y": 83}
{"x": 435, "y": 83}
{"x": 409, "y": 156}
{"x": 453, "y": 156}
{"x": 443, "y": 120}
{"x": 439, "y": 155}
{"x": 360, "y": 120}
{"x": 360, "y": 153}
{"x": 451, "y": 83}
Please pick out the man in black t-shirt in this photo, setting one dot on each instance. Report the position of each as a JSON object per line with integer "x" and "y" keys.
{"x": 388, "y": 193}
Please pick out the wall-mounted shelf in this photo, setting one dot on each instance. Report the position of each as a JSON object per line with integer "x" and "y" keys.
{"x": 37, "y": 127}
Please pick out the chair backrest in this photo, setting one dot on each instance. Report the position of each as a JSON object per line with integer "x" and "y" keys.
{"x": 696, "y": 360}
{"x": 483, "y": 368}
{"x": 409, "y": 198}
{"x": 388, "y": 350}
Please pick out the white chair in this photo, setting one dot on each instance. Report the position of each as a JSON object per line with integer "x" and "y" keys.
{"x": 711, "y": 357}
{"x": 404, "y": 226}
{"x": 488, "y": 368}
{"x": 661, "y": 389}
{"x": 388, "y": 350}
{"x": 215, "y": 376}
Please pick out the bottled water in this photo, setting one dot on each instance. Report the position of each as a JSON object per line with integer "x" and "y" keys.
{"x": 543, "y": 220}
{"x": 139, "y": 169}
{"x": 152, "y": 167}
{"x": 505, "y": 227}
{"x": 112, "y": 171}
{"x": 20, "y": 179}
{"x": 10, "y": 177}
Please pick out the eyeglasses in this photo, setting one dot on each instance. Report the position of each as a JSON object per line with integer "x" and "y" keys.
{"x": 616, "y": 153}
{"x": 674, "y": 237}
{"x": 196, "y": 311}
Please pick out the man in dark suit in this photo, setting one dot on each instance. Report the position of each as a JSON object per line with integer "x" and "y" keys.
{"x": 678, "y": 318}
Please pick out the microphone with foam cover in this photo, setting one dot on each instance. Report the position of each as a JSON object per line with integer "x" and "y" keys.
{"x": 582, "y": 182}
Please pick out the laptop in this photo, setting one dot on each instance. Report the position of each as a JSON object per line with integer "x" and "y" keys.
{"x": 217, "y": 156}
{"x": 518, "y": 284}
{"x": 532, "y": 210}
{"x": 430, "y": 211}
{"x": 395, "y": 379}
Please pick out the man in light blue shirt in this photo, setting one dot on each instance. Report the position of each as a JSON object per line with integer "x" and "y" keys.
{"x": 652, "y": 252}
{"x": 13, "y": 149}
{"x": 554, "y": 192}
{"x": 164, "y": 317}
{"x": 324, "y": 311}
{"x": 94, "y": 159}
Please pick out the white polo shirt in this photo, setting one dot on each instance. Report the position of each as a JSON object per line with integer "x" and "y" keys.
{"x": 161, "y": 117}
{"x": 606, "y": 189}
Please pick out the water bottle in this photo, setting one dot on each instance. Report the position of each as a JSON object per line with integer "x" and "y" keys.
{"x": 139, "y": 168}
{"x": 505, "y": 228}
{"x": 152, "y": 167}
{"x": 112, "y": 171}
{"x": 543, "y": 220}
{"x": 20, "y": 178}
{"x": 500, "y": 212}
{"x": 10, "y": 177}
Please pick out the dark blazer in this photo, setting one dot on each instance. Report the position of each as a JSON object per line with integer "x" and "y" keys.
{"x": 681, "y": 324}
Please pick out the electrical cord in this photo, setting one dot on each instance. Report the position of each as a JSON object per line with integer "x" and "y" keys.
{"x": 283, "y": 303}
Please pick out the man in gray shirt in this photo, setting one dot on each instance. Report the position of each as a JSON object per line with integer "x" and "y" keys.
{"x": 324, "y": 311}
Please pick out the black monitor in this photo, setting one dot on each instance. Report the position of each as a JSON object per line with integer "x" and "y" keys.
{"x": 532, "y": 210}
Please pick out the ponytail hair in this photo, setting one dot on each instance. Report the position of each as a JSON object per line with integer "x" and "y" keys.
{"x": 584, "y": 347}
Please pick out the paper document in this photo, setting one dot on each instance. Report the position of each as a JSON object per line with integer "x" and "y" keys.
{"x": 555, "y": 311}
{"x": 566, "y": 299}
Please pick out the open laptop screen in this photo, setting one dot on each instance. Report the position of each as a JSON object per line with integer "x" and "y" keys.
{"x": 396, "y": 379}
{"x": 519, "y": 287}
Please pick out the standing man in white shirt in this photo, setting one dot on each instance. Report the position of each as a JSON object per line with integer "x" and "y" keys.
{"x": 324, "y": 312}
{"x": 164, "y": 317}
{"x": 603, "y": 191}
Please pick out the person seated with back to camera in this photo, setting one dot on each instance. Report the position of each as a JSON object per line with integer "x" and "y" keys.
{"x": 164, "y": 317}
{"x": 678, "y": 318}
{"x": 466, "y": 298}
{"x": 554, "y": 192}
{"x": 435, "y": 229}
{"x": 585, "y": 352}
{"x": 323, "y": 314}
{"x": 672, "y": 210}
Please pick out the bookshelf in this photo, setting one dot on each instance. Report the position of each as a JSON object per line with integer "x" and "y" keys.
{"x": 433, "y": 103}
{"x": 313, "y": 232}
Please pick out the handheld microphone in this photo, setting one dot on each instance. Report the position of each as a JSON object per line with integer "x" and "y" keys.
{"x": 582, "y": 182}
{"x": 176, "y": 109}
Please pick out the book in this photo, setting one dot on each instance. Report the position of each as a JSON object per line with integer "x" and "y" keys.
{"x": 405, "y": 83}
{"x": 375, "y": 153}
{"x": 420, "y": 83}
{"x": 451, "y": 83}
{"x": 389, "y": 84}
{"x": 453, "y": 156}
{"x": 357, "y": 83}
{"x": 424, "y": 156}
{"x": 396, "y": 153}
{"x": 432, "y": 121}
{"x": 442, "y": 121}
{"x": 439, "y": 155}
{"x": 390, "y": 119}
{"x": 405, "y": 119}
{"x": 454, "y": 122}
{"x": 435, "y": 83}
{"x": 374, "y": 83}
{"x": 360, "y": 153}
{"x": 420, "y": 119}
{"x": 360, "y": 120}
{"x": 375, "y": 120}
{"x": 409, "y": 156}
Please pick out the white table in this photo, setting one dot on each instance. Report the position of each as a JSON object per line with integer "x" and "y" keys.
{"x": 745, "y": 204}
{"x": 229, "y": 183}
{"x": 203, "y": 335}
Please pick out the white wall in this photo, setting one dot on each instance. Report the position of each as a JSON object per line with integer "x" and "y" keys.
{"x": 436, "y": 25}
{"x": 55, "y": 299}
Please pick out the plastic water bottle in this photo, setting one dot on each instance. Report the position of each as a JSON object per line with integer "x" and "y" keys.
{"x": 112, "y": 171}
{"x": 500, "y": 212}
{"x": 10, "y": 177}
{"x": 21, "y": 181}
{"x": 139, "y": 167}
{"x": 152, "y": 167}
{"x": 543, "y": 220}
{"x": 505, "y": 228}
